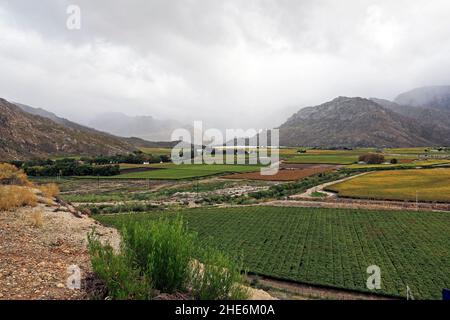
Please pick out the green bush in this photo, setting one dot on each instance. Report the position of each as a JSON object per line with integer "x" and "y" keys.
{"x": 163, "y": 255}
{"x": 162, "y": 249}
{"x": 122, "y": 280}
{"x": 119, "y": 208}
{"x": 217, "y": 277}
{"x": 372, "y": 158}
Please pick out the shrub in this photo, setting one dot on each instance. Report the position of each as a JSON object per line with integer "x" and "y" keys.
{"x": 122, "y": 280}
{"x": 161, "y": 255}
{"x": 119, "y": 208}
{"x": 12, "y": 197}
{"x": 10, "y": 174}
{"x": 394, "y": 161}
{"x": 163, "y": 250}
{"x": 50, "y": 190}
{"x": 217, "y": 277}
{"x": 372, "y": 158}
{"x": 37, "y": 219}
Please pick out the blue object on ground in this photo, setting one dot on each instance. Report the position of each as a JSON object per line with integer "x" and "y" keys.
{"x": 446, "y": 294}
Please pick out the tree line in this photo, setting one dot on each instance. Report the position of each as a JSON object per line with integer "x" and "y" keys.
{"x": 85, "y": 166}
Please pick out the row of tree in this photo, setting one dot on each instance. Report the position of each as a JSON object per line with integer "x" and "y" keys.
{"x": 137, "y": 157}
{"x": 64, "y": 167}
{"x": 72, "y": 170}
{"x": 86, "y": 166}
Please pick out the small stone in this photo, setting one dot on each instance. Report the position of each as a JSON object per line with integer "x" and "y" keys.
{"x": 60, "y": 285}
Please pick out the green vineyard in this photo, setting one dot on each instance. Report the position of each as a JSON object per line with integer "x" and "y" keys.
{"x": 328, "y": 246}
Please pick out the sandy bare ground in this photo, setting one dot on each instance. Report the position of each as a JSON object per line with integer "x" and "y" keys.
{"x": 35, "y": 258}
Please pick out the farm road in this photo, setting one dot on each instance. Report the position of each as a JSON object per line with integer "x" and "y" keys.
{"x": 308, "y": 193}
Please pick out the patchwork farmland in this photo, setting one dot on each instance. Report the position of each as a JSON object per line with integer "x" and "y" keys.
{"x": 182, "y": 171}
{"x": 279, "y": 225}
{"x": 284, "y": 174}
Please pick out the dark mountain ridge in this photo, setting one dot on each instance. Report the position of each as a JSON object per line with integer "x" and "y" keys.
{"x": 25, "y": 135}
{"x": 359, "y": 122}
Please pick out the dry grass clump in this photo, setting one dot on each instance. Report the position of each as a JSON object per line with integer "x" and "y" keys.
{"x": 16, "y": 190}
{"x": 12, "y": 197}
{"x": 50, "y": 190}
{"x": 37, "y": 219}
{"x": 10, "y": 175}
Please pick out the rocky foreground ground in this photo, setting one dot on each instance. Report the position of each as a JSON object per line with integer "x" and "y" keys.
{"x": 38, "y": 246}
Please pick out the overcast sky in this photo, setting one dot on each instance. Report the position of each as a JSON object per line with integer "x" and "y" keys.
{"x": 233, "y": 64}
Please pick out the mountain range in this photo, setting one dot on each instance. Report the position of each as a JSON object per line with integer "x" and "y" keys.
{"x": 25, "y": 135}
{"x": 359, "y": 122}
{"x": 420, "y": 117}
{"x": 28, "y": 132}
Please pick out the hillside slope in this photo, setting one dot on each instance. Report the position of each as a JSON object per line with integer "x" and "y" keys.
{"x": 50, "y": 115}
{"x": 136, "y": 142}
{"x": 436, "y": 121}
{"x": 437, "y": 97}
{"x": 24, "y": 135}
{"x": 353, "y": 122}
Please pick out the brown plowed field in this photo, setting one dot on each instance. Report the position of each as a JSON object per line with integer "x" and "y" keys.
{"x": 283, "y": 174}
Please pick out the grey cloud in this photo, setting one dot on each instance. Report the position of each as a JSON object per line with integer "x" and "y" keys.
{"x": 230, "y": 63}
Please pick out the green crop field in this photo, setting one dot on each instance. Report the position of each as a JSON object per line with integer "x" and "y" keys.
{"x": 322, "y": 158}
{"x": 329, "y": 246}
{"x": 426, "y": 184}
{"x": 157, "y": 151}
{"x": 186, "y": 171}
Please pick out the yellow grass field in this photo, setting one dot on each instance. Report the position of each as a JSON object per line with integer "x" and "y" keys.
{"x": 429, "y": 185}
{"x": 412, "y": 164}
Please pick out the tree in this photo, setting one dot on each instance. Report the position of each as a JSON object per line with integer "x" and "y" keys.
{"x": 372, "y": 158}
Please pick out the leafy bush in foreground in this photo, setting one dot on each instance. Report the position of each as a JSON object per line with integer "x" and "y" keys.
{"x": 162, "y": 249}
{"x": 122, "y": 280}
{"x": 162, "y": 255}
